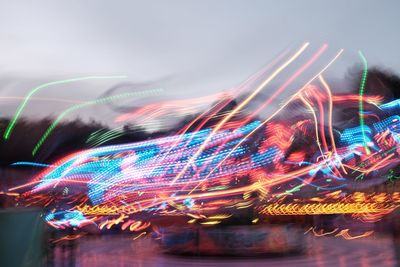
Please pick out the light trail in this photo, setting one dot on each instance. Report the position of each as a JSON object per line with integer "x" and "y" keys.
{"x": 239, "y": 107}
{"x": 21, "y": 107}
{"x": 279, "y": 110}
{"x": 361, "y": 101}
{"x": 83, "y": 105}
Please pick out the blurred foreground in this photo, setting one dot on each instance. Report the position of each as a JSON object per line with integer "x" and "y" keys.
{"x": 30, "y": 243}
{"x": 121, "y": 250}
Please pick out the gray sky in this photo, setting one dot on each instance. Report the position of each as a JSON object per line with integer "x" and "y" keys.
{"x": 194, "y": 47}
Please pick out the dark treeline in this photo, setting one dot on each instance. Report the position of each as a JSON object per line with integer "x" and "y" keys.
{"x": 68, "y": 136}
{"x": 379, "y": 82}
{"x": 72, "y": 136}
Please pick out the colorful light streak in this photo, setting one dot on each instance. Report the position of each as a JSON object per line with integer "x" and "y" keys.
{"x": 361, "y": 101}
{"x": 84, "y": 105}
{"x": 21, "y": 107}
{"x": 239, "y": 107}
{"x": 240, "y": 162}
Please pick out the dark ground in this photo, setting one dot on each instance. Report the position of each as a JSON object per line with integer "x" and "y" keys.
{"x": 122, "y": 250}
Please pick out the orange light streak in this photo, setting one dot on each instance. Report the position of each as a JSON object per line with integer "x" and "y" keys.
{"x": 236, "y": 109}
{"x": 275, "y": 113}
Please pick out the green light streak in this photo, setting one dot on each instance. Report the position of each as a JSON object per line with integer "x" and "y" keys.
{"x": 108, "y": 139}
{"x": 108, "y": 136}
{"x": 21, "y": 107}
{"x": 94, "y": 135}
{"x": 102, "y": 136}
{"x": 288, "y": 192}
{"x": 83, "y": 105}
{"x": 361, "y": 103}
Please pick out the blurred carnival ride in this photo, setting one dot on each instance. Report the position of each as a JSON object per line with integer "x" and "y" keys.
{"x": 251, "y": 156}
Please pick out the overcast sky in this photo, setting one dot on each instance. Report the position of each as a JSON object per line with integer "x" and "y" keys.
{"x": 194, "y": 47}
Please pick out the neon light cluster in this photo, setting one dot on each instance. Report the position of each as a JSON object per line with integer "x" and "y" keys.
{"x": 241, "y": 160}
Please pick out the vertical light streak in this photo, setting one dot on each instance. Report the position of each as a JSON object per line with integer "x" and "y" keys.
{"x": 308, "y": 105}
{"x": 239, "y": 107}
{"x": 330, "y": 112}
{"x": 315, "y": 92}
{"x": 361, "y": 100}
{"x": 330, "y": 119}
{"x": 21, "y": 107}
{"x": 321, "y": 118}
